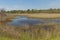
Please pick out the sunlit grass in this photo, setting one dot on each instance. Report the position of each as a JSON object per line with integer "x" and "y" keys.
{"x": 40, "y": 15}
{"x": 6, "y": 38}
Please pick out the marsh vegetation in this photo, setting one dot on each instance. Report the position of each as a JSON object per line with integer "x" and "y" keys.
{"x": 45, "y": 31}
{"x": 30, "y": 28}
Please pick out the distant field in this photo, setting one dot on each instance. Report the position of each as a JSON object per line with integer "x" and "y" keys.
{"x": 40, "y": 15}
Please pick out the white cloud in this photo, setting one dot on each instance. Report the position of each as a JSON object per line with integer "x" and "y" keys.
{"x": 14, "y": 7}
{"x": 52, "y": 4}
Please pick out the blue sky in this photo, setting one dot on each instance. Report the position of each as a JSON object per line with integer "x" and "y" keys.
{"x": 29, "y": 4}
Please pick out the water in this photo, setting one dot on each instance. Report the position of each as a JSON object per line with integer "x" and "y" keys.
{"x": 23, "y": 20}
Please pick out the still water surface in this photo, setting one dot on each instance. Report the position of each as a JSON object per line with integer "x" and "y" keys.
{"x": 23, "y": 20}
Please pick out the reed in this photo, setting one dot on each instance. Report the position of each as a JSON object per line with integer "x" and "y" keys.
{"x": 48, "y": 31}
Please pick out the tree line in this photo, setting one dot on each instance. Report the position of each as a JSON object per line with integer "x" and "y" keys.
{"x": 34, "y": 11}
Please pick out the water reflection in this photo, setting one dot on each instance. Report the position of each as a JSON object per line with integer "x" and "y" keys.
{"x": 23, "y": 20}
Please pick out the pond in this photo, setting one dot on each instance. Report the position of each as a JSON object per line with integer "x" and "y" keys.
{"x": 23, "y": 20}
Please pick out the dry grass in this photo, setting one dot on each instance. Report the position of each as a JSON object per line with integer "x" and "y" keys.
{"x": 37, "y": 32}
{"x": 37, "y": 15}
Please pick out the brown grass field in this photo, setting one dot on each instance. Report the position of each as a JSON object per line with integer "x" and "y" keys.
{"x": 37, "y": 15}
{"x": 48, "y": 31}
